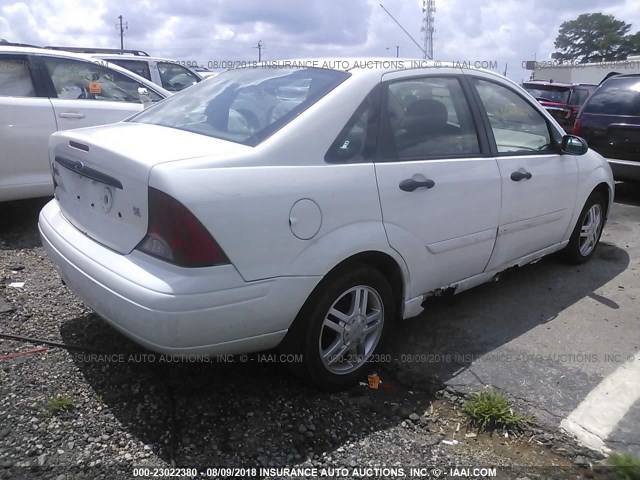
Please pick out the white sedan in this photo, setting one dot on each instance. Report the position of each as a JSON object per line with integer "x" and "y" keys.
{"x": 235, "y": 216}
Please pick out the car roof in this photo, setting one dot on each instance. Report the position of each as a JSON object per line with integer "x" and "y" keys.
{"x": 124, "y": 56}
{"x": 547, "y": 83}
{"x": 82, "y": 56}
{"x": 369, "y": 65}
{"x": 624, "y": 75}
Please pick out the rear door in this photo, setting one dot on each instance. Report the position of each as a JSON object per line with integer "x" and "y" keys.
{"x": 26, "y": 121}
{"x": 439, "y": 185}
{"x": 539, "y": 184}
{"x": 85, "y": 93}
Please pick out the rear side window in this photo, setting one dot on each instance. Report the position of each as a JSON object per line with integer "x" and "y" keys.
{"x": 549, "y": 93}
{"x": 617, "y": 96}
{"x": 357, "y": 140}
{"x": 175, "y": 77}
{"x": 15, "y": 79}
{"x": 78, "y": 80}
{"x": 426, "y": 118}
{"x": 136, "y": 66}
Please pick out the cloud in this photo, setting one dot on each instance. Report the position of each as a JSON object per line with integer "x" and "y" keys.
{"x": 507, "y": 31}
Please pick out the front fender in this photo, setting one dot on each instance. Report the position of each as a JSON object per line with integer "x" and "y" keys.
{"x": 594, "y": 170}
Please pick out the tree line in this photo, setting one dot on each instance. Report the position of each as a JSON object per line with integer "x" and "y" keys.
{"x": 595, "y": 37}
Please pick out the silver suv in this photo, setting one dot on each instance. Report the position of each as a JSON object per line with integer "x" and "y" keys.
{"x": 169, "y": 74}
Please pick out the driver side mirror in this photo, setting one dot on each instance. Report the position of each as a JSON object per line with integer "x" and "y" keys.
{"x": 573, "y": 145}
{"x": 145, "y": 98}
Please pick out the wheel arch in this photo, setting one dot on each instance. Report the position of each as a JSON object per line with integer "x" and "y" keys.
{"x": 381, "y": 261}
{"x": 605, "y": 190}
{"x": 598, "y": 180}
{"x": 386, "y": 265}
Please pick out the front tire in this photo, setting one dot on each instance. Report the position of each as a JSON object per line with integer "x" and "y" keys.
{"x": 588, "y": 229}
{"x": 341, "y": 327}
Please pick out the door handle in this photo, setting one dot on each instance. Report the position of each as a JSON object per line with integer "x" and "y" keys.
{"x": 521, "y": 174}
{"x": 71, "y": 115}
{"x": 410, "y": 185}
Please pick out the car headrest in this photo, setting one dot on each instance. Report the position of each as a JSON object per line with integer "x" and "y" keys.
{"x": 425, "y": 114}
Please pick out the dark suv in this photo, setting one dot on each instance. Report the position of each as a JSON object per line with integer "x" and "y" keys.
{"x": 610, "y": 122}
{"x": 562, "y": 100}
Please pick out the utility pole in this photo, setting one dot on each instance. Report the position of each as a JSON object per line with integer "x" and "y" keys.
{"x": 428, "y": 9}
{"x": 122, "y": 29}
{"x": 397, "y": 50}
{"x": 260, "y": 46}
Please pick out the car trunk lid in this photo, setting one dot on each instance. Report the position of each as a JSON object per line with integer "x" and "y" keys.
{"x": 101, "y": 175}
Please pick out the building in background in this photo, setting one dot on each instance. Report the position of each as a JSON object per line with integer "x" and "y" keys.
{"x": 552, "y": 70}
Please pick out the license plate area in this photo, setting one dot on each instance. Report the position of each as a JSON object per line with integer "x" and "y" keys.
{"x": 625, "y": 138}
{"x": 84, "y": 191}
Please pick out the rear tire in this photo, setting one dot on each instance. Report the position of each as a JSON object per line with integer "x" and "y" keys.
{"x": 341, "y": 328}
{"x": 588, "y": 229}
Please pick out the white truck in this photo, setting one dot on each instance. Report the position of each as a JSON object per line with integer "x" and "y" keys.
{"x": 573, "y": 72}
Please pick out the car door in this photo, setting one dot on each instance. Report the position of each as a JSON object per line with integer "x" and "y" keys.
{"x": 438, "y": 183}
{"x": 85, "y": 93}
{"x": 539, "y": 184}
{"x": 26, "y": 121}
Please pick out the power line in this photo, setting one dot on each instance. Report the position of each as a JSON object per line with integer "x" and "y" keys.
{"x": 403, "y": 29}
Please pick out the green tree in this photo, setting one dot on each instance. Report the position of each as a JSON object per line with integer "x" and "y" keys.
{"x": 632, "y": 43}
{"x": 594, "y": 37}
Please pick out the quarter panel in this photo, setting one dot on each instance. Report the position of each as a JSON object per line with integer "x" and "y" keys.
{"x": 248, "y": 212}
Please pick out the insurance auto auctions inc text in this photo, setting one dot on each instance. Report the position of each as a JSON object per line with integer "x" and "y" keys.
{"x": 378, "y": 472}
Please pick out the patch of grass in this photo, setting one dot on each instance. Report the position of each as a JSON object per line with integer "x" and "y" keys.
{"x": 59, "y": 403}
{"x": 491, "y": 410}
{"x": 625, "y": 467}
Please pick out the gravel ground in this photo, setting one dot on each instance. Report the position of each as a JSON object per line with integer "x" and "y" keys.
{"x": 127, "y": 407}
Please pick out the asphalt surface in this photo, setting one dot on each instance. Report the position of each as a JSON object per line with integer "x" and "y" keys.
{"x": 557, "y": 338}
{"x": 548, "y": 334}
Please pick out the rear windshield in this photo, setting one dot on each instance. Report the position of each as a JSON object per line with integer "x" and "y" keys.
{"x": 616, "y": 96}
{"x": 245, "y": 105}
{"x": 549, "y": 93}
{"x": 579, "y": 96}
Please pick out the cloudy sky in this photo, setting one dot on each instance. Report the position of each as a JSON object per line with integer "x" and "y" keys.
{"x": 506, "y": 31}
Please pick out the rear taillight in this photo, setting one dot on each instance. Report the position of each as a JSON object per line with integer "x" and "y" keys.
{"x": 576, "y": 127}
{"x": 174, "y": 234}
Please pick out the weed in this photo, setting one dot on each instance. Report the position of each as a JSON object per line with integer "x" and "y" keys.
{"x": 625, "y": 466}
{"x": 59, "y": 403}
{"x": 490, "y": 410}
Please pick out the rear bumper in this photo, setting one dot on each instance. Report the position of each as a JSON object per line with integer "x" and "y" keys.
{"x": 168, "y": 309}
{"x": 625, "y": 169}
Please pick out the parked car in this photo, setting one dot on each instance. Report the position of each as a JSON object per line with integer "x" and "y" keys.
{"x": 610, "y": 122}
{"x": 194, "y": 230}
{"x": 169, "y": 74}
{"x": 205, "y": 73}
{"x": 43, "y": 91}
{"x": 562, "y": 100}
